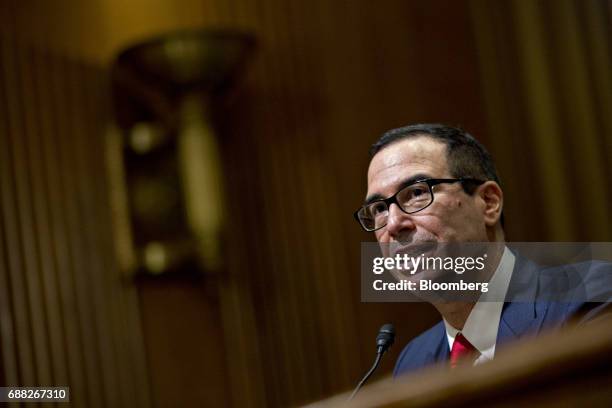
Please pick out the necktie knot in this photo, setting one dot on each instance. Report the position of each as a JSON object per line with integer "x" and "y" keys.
{"x": 462, "y": 350}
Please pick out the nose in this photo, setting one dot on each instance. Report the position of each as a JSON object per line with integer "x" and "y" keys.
{"x": 398, "y": 223}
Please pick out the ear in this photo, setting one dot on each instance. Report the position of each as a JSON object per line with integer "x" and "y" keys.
{"x": 493, "y": 199}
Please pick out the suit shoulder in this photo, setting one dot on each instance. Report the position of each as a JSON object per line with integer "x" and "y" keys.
{"x": 424, "y": 339}
{"x": 421, "y": 350}
{"x": 588, "y": 281}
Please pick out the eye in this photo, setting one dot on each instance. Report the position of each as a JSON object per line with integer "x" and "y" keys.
{"x": 377, "y": 208}
{"x": 417, "y": 191}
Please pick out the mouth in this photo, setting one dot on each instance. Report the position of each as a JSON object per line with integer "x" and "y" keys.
{"x": 414, "y": 249}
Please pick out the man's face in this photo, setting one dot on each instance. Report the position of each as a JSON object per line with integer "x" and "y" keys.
{"x": 454, "y": 216}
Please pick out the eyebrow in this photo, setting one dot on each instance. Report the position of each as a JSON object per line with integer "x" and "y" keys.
{"x": 375, "y": 197}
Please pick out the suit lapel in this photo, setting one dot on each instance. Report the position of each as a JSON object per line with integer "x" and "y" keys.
{"x": 519, "y": 319}
{"x": 522, "y": 313}
{"x": 438, "y": 351}
{"x": 442, "y": 352}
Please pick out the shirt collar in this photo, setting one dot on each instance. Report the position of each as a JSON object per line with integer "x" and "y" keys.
{"x": 482, "y": 324}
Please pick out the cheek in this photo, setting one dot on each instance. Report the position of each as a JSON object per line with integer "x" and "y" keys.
{"x": 467, "y": 222}
{"x": 381, "y": 235}
{"x": 435, "y": 227}
{"x": 449, "y": 221}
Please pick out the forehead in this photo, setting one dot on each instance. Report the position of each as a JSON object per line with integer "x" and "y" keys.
{"x": 403, "y": 159}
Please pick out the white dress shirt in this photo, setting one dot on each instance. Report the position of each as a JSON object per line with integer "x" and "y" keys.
{"x": 481, "y": 326}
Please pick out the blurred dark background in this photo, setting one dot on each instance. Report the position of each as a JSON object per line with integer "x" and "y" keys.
{"x": 261, "y": 307}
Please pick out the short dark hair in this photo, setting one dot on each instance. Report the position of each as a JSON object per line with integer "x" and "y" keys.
{"x": 466, "y": 156}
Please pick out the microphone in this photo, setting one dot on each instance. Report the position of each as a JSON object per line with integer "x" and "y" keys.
{"x": 384, "y": 340}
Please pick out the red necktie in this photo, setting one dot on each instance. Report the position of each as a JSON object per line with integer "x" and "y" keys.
{"x": 462, "y": 349}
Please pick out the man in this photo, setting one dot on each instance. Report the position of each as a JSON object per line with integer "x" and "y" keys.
{"x": 458, "y": 198}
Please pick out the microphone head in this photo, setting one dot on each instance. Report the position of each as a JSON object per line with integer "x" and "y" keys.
{"x": 385, "y": 338}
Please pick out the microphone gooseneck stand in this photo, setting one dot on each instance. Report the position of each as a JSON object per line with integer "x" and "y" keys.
{"x": 384, "y": 340}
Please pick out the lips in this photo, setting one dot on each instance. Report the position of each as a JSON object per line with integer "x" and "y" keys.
{"x": 413, "y": 249}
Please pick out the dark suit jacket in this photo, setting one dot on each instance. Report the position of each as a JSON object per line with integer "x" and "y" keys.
{"x": 539, "y": 299}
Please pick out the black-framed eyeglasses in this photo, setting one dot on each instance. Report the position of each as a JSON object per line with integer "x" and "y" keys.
{"x": 410, "y": 199}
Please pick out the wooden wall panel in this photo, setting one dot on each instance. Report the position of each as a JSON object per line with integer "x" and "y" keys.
{"x": 68, "y": 317}
{"x": 327, "y": 79}
{"x": 542, "y": 76}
